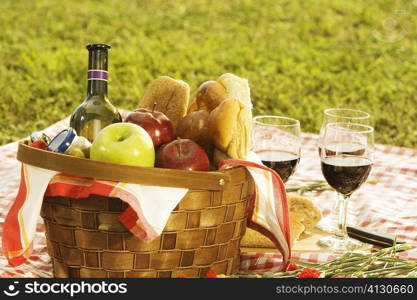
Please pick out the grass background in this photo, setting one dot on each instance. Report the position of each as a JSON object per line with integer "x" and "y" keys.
{"x": 299, "y": 56}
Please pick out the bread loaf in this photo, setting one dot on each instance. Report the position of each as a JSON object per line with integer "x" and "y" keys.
{"x": 171, "y": 97}
{"x": 305, "y": 207}
{"x": 193, "y": 107}
{"x": 210, "y": 94}
{"x": 237, "y": 88}
{"x": 254, "y": 239}
{"x": 195, "y": 126}
{"x": 230, "y": 127}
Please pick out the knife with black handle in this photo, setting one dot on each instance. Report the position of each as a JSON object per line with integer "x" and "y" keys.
{"x": 377, "y": 239}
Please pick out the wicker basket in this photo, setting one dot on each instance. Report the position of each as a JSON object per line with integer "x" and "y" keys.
{"x": 85, "y": 238}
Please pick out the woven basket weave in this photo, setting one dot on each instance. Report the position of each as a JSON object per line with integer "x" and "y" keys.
{"x": 85, "y": 238}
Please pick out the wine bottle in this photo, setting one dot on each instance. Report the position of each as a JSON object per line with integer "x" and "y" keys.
{"x": 96, "y": 112}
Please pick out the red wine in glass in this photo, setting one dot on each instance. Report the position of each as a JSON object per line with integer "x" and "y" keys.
{"x": 283, "y": 162}
{"x": 346, "y": 173}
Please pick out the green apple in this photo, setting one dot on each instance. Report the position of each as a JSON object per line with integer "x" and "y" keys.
{"x": 124, "y": 143}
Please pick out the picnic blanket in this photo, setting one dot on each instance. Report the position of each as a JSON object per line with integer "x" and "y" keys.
{"x": 388, "y": 206}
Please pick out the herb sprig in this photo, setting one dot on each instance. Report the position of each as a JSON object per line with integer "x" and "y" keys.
{"x": 381, "y": 264}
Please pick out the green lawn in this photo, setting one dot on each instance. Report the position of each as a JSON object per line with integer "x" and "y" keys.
{"x": 299, "y": 56}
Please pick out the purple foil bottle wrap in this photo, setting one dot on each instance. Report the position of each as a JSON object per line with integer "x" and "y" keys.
{"x": 98, "y": 75}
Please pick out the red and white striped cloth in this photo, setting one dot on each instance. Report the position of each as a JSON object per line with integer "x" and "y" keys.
{"x": 390, "y": 206}
{"x": 145, "y": 219}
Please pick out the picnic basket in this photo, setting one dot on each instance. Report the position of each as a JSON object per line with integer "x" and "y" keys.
{"x": 85, "y": 238}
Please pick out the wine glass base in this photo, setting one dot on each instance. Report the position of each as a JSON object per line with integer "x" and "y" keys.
{"x": 340, "y": 244}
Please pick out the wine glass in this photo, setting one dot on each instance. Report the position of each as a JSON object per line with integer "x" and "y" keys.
{"x": 277, "y": 142}
{"x": 332, "y": 115}
{"x": 345, "y": 171}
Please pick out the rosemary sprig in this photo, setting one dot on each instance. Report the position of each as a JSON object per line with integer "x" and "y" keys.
{"x": 383, "y": 263}
{"x": 313, "y": 186}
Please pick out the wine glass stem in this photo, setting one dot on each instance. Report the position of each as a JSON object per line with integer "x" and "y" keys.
{"x": 336, "y": 207}
{"x": 343, "y": 208}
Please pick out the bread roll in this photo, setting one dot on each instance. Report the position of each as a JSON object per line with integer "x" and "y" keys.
{"x": 193, "y": 107}
{"x": 195, "y": 126}
{"x": 230, "y": 127}
{"x": 237, "y": 88}
{"x": 210, "y": 94}
{"x": 171, "y": 97}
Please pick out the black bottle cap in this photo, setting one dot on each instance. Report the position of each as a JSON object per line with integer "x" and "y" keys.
{"x": 98, "y": 47}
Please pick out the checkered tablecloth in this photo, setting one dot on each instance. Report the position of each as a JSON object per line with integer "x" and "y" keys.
{"x": 389, "y": 206}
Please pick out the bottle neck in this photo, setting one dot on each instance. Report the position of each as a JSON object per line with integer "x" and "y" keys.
{"x": 97, "y": 72}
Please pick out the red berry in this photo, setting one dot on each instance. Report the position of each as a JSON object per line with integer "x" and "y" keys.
{"x": 39, "y": 144}
{"x": 309, "y": 273}
{"x": 292, "y": 266}
{"x": 211, "y": 274}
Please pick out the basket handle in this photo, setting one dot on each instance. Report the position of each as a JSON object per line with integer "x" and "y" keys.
{"x": 123, "y": 173}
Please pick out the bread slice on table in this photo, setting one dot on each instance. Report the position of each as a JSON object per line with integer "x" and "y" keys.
{"x": 171, "y": 97}
{"x": 254, "y": 239}
{"x": 296, "y": 226}
{"x": 304, "y": 215}
{"x": 304, "y": 207}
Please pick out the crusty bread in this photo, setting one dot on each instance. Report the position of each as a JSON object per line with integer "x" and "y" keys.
{"x": 304, "y": 206}
{"x": 237, "y": 88}
{"x": 195, "y": 126}
{"x": 254, "y": 239}
{"x": 171, "y": 97}
{"x": 193, "y": 107}
{"x": 230, "y": 127}
{"x": 210, "y": 94}
{"x": 304, "y": 215}
{"x": 296, "y": 226}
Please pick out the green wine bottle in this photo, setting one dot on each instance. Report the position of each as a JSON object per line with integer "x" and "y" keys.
{"x": 96, "y": 112}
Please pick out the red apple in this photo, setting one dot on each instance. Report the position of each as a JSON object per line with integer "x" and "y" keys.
{"x": 40, "y": 145}
{"x": 156, "y": 124}
{"x": 182, "y": 154}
